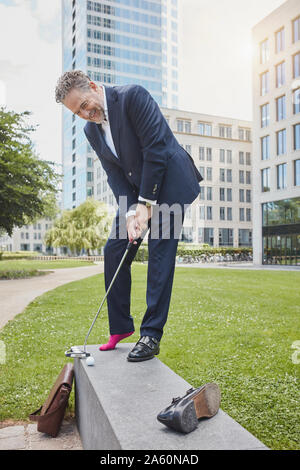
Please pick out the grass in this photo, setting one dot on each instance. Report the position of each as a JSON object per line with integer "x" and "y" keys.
{"x": 16, "y": 269}
{"x": 232, "y": 327}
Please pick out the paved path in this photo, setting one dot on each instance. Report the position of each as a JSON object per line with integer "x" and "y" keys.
{"x": 239, "y": 265}
{"x": 15, "y": 295}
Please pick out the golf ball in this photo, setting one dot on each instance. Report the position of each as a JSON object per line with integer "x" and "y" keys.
{"x": 90, "y": 361}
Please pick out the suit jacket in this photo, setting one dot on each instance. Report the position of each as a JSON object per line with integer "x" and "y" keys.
{"x": 151, "y": 164}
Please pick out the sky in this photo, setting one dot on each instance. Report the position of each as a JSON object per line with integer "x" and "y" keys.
{"x": 215, "y": 60}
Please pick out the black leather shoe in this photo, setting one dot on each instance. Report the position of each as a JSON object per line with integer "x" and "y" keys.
{"x": 184, "y": 412}
{"x": 146, "y": 348}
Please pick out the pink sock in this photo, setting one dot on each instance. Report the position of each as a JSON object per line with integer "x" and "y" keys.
{"x": 113, "y": 340}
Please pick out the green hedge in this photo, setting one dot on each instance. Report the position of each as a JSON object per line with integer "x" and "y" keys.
{"x": 20, "y": 274}
{"x": 142, "y": 254}
{"x": 8, "y": 255}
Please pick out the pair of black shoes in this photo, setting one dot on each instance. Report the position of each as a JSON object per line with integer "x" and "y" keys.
{"x": 183, "y": 413}
{"x": 146, "y": 348}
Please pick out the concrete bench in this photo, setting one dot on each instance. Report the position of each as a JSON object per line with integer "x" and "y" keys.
{"x": 117, "y": 403}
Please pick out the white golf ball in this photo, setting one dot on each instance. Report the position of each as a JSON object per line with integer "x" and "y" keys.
{"x": 90, "y": 361}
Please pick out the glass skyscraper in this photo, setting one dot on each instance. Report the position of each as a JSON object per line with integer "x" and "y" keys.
{"x": 116, "y": 42}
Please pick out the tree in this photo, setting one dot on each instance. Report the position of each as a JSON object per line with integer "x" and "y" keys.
{"x": 27, "y": 184}
{"x": 85, "y": 227}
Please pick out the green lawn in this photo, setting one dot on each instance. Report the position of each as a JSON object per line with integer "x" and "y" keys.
{"x": 14, "y": 269}
{"x": 233, "y": 327}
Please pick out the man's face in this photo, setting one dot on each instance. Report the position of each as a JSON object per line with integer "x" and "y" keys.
{"x": 88, "y": 105}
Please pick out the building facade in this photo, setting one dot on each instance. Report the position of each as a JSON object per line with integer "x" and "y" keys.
{"x": 115, "y": 42}
{"x": 276, "y": 137}
{"x": 222, "y": 151}
{"x": 29, "y": 238}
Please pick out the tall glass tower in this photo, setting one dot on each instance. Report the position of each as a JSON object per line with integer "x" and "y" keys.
{"x": 116, "y": 42}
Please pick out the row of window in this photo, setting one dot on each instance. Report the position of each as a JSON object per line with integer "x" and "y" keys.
{"x": 225, "y": 213}
{"x": 207, "y": 174}
{"x": 225, "y": 194}
{"x": 110, "y": 51}
{"x": 124, "y": 27}
{"x": 281, "y": 142}
{"x": 280, "y": 75}
{"x": 124, "y": 40}
{"x": 122, "y": 13}
{"x": 206, "y": 235}
{"x": 244, "y": 157}
{"x": 281, "y": 176}
{"x": 206, "y": 129}
{"x": 123, "y": 67}
{"x": 26, "y": 236}
{"x": 279, "y": 41}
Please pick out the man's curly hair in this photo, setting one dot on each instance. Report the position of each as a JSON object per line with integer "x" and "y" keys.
{"x": 70, "y": 80}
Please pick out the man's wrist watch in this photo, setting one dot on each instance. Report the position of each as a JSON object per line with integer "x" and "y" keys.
{"x": 145, "y": 203}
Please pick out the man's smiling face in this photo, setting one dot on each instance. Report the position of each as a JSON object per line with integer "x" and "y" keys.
{"x": 88, "y": 105}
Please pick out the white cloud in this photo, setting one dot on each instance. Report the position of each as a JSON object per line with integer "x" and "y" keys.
{"x": 30, "y": 66}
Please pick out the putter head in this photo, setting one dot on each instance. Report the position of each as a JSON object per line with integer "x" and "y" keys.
{"x": 75, "y": 351}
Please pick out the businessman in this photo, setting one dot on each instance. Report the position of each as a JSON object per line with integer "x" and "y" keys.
{"x": 146, "y": 169}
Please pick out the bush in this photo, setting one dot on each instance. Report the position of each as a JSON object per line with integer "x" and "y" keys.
{"x": 1, "y": 254}
{"x": 9, "y": 255}
{"x": 21, "y": 274}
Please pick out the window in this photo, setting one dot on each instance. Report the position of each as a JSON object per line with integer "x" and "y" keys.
{"x": 281, "y": 108}
{"x": 280, "y": 40}
{"x": 73, "y": 157}
{"x": 225, "y": 131}
{"x": 74, "y": 184}
{"x": 264, "y": 51}
{"x": 183, "y": 126}
{"x": 229, "y": 213}
{"x": 296, "y": 29}
{"x": 90, "y": 176}
{"x": 296, "y": 101}
{"x": 74, "y": 170}
{"x": 74, "y": 197}
{"x": 201, "y": 194}
{"x": 89, "y": 162}
{"x": 296, "y": 64}
{"x": 229, "y": 176}
{"x": 222, "y": 174}
{"x": 201, "y": 153}
{"x": 225, "y": 237}
{"x": 241, "y": 134}
{"x": 202, "y": 171}
{"x": 241, "y": 158}
{"x": 209, "y": 173}
{"x": 241, "y": 177}
{"x": 209, "y": 193}
{"x": 73, "y": 144}
{"x": 297, "y": 172}
{"x": 209, "y": 212}
{"x": 264, "y": 83}
{"x": 209, "y": 154}
{"x": 222, "y": 194}
{"x": 297, "y": 137}
{"x": 222, "y": 213}
{"x": 248, "y": 177}
{"x": 245, "y": 237}
{"x": 229, "y": 156}
{"x": 248, "y": 158}
{"x": 242, "y": 214}
{"x": 222, "y": 155}
{"x": 204, "y": 128}
{"x": 280, "y": 74}
{"x": 248, "y": 215}
{"x": 281, "y": 176}
{"x": 201, "y": 212}
{"x": 281, "y": 142}
{"x": 188, "y": 148}
{"x": 265, "y": 147}
{"x": 265, "y": 180}
{"x": 229, "y": 194}
{"x": 248, "y": 195}
{"x": 242, "y": 195}
{"x": 265, "y": 115}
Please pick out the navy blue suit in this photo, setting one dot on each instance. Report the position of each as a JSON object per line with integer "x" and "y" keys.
{"x": 153, "y": 165}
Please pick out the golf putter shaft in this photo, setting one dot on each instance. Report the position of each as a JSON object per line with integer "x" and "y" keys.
{"x": 107, "y": 292}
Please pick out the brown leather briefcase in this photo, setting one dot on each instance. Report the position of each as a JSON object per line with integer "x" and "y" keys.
{"x": 53, "y": 410}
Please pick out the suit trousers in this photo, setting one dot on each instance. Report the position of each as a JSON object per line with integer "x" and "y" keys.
{"x": 164, "y": 233}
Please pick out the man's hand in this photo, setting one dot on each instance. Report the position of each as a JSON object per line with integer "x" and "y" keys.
{"x": 138, "y": 223}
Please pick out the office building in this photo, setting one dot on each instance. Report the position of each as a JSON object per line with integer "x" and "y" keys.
{"x": 276, "y": 137}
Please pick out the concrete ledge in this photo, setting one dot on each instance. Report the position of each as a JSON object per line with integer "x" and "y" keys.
{"x": 117, "y": 403}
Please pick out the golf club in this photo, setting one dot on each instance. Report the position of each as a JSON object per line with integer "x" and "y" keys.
{"x": 76, "y": 351}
